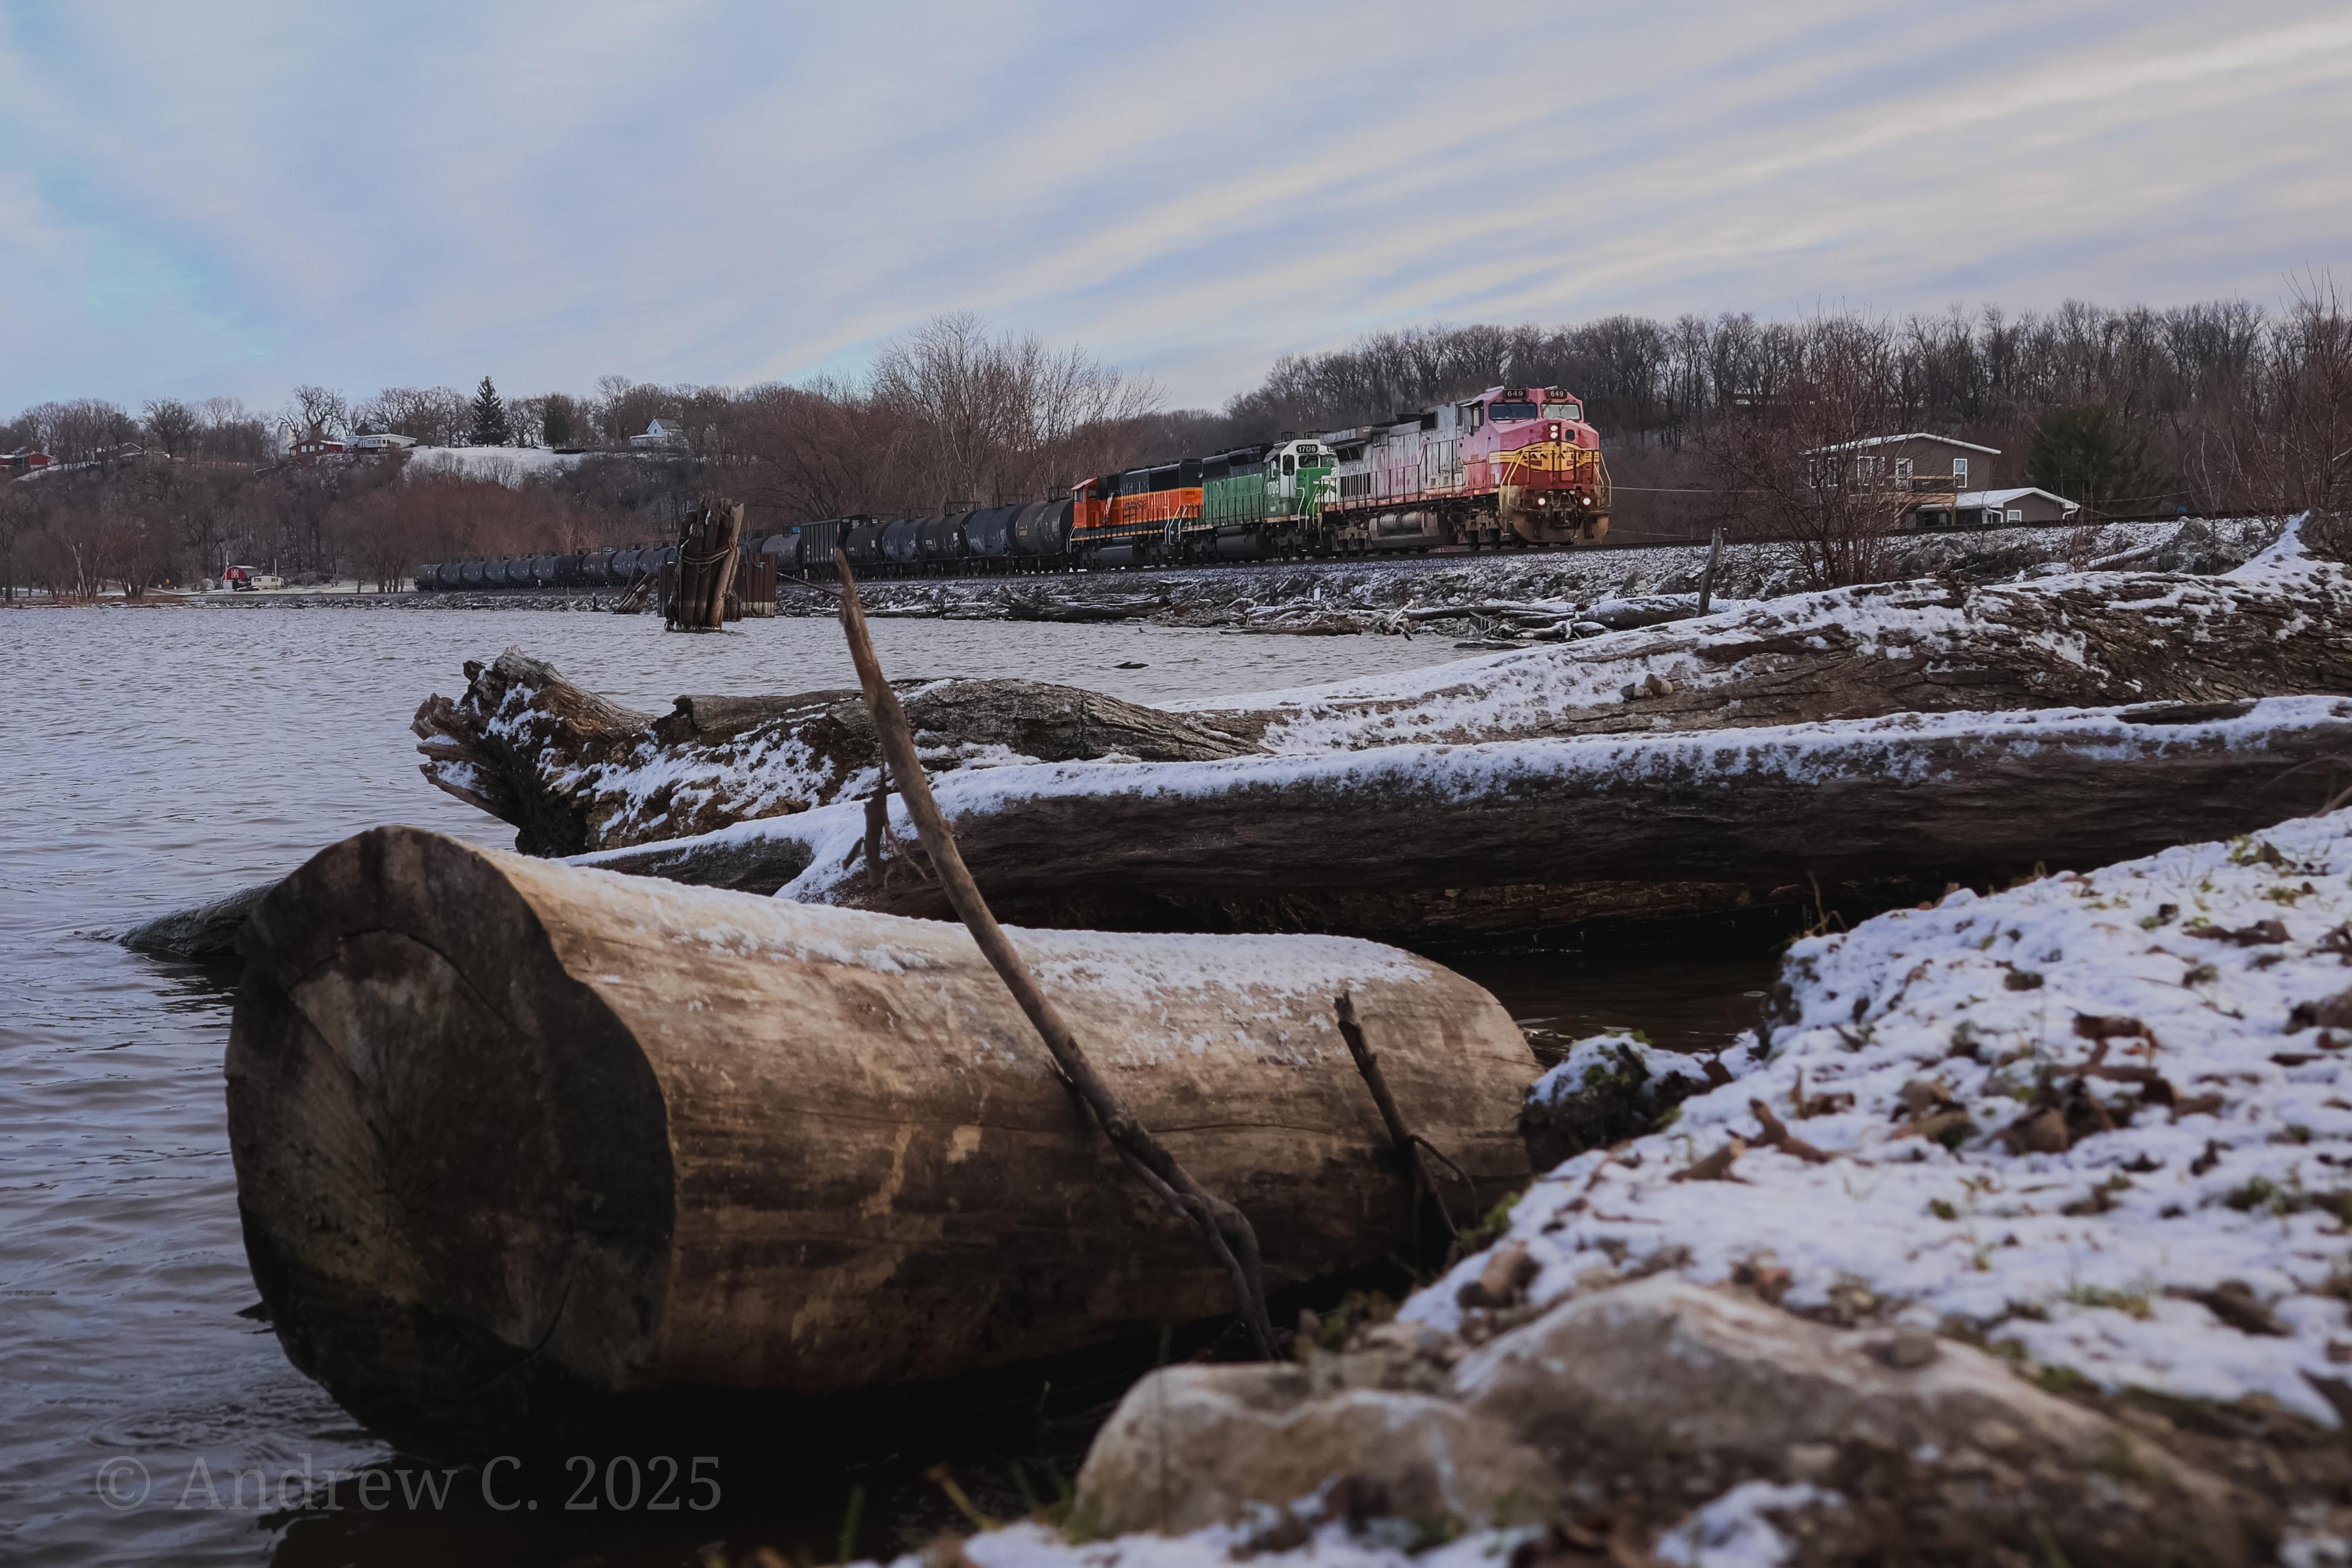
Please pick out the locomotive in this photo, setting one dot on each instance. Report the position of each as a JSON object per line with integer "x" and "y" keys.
{"x": 1512, "y": 466}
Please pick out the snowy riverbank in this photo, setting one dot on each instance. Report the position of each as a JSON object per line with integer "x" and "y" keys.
{"x": 2041, "y": 1199}
{"x": 1329, "y": 596}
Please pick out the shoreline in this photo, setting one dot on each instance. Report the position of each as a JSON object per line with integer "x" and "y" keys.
{"x": 1331, "y": 593}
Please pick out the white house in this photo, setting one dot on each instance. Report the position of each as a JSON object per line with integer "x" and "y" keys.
{"x": 383, "y": 442}
{"x": 1997, "y": 509}
{"x": 661, "y": 433}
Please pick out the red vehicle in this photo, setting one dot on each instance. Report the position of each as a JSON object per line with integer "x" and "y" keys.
{"x": 1514, "y": 465}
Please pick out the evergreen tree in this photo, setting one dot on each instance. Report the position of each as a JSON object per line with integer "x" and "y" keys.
{"x": 489, "y": 417}
{"x": 555, "y": 423}
{"x": 2087, "y": 453}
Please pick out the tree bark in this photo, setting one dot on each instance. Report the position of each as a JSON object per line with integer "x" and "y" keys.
{"x": 566, "y": 767}
{"x": 512, "y": 1135}
{"x": 1509, "y": 839}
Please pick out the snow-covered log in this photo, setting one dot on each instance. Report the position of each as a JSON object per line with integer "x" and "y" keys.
{"x": 2280, "y": 624}
{"x": 574, "y": 772}
{"x": 1533, "y": 833}
{"x": 509, "y": 1133}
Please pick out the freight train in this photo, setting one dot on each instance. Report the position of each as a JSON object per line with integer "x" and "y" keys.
{"x": 1513, "y": 466}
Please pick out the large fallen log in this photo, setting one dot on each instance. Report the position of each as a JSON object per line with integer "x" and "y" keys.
{"x": 512, "y": 1135}
{"x": 1528, "y": 834}
{"x": 575, "y": 773}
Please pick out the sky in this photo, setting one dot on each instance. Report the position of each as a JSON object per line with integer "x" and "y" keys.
{"x": 231, "y": 200}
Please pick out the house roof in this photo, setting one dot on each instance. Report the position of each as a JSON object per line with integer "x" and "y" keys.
{"x": 2003, "y": 497}
{"x": 1909, "y": 435}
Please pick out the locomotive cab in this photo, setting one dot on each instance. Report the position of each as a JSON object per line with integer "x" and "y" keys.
{"x": 1532, "y": 450}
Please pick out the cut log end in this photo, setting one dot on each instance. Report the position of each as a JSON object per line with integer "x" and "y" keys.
{"x": 452, "y": 1166}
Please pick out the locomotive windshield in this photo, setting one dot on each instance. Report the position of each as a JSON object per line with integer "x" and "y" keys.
{"x": 1503, "y": 411}
{"x": 1562, "y": 411}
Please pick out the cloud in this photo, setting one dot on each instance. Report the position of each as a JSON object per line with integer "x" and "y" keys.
{"x": 730, "y": 192}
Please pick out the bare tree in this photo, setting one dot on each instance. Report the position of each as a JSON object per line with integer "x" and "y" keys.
{"x": 430, "y": 416}
{"x": 314, "y": 411}
{"x": 1796, "y": 468}
{"x": 170, "y": 424}
{"x": 2288, "y": 443}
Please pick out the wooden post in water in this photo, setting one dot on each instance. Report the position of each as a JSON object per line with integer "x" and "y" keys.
{"x": 705, "y": 567}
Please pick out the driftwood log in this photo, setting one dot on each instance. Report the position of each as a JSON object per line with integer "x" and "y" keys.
{"x": 574, "y": 774}
{"x": 511, "y": 1136}
{"x": 1474, "y": 841}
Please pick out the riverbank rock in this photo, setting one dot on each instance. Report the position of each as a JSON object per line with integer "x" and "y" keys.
{"x": 1197, "y": 1446}
{"x": 1645, "y": 1402}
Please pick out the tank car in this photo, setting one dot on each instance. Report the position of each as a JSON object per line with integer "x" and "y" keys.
{"x": 902, "y": 545}
{"x": 988, "y": 538}
{"x": 865, "y": 544}
{"x": 1041, "y": 536}
{"x": 942, "y": 543}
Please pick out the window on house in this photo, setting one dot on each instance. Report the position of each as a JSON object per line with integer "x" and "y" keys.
{"x": 1960, "y": 472}
{"x": 2016, "y": 516}
{"x": 1902, "y": 469}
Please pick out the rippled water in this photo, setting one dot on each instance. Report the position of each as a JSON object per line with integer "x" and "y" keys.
{"x": 155, "y": 758}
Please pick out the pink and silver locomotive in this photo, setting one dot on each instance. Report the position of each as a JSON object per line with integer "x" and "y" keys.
{"x": 1513, "y": 465}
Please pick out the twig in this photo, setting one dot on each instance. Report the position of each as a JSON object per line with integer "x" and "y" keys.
{"x": 878, "y": 823}
{"x": 1408, "y": 1143}
{"x": 1223, "y": 1227}
{"x": 1776, "y": 1136}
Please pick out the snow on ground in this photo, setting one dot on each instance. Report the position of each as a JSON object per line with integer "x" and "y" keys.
{"x": 1330, "y": 1545}
{"x": 1523, "y": 690}
{"x": 2099, "y": 1121}
{"x": 507, "y": 464}
{"x": 1231, "y": 594}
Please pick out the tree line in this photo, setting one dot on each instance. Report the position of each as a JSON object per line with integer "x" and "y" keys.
{"x": 2212, "y": 406}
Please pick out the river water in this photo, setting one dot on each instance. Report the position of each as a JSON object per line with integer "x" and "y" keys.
{"x": 155, "y": 758}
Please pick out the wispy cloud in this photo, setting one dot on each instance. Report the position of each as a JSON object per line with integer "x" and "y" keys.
{"x": 204, "y": 201}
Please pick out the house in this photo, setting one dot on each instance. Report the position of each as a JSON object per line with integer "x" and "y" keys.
{"x": 661, "y": 433}
{"x": 1996, "y": 509}
{"x": 383, "y": 442}
{"x": 1928, "y": 477}
{"x": 24, "y": 460}
{"x": 316, "y": 442}
{"x": 1916, "y": 463}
